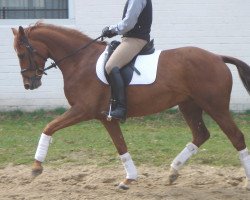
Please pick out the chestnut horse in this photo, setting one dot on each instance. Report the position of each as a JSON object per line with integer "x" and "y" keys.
{"x": 192, "y": 78}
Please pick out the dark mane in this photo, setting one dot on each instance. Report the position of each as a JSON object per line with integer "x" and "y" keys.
{"x": 70, "y": 31}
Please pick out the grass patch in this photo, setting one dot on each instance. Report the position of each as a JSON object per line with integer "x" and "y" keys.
{"x": 153, "y": 140}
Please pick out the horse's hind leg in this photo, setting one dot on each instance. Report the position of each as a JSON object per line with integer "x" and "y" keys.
{"x": 226, "y": 123}
{"x": 193, "y": 116}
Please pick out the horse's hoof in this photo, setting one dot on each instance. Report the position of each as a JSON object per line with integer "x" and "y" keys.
{"x": 36, "y": 172}
{"x": 124, "y": 185}
{"x": 173, "y": 176}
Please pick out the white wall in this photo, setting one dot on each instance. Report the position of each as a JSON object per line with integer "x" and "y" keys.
{"x": 220, "y": 26}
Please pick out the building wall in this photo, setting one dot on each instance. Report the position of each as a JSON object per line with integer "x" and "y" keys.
{"x": 220, "y": 26}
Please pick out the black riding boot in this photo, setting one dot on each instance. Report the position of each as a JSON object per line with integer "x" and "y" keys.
{"x": 118, "y": 89}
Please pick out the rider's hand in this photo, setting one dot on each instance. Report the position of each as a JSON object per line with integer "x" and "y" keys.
{"x": 108, "y": 33}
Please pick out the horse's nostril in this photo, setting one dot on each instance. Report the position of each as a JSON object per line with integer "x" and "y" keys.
{"x": 26, "y": 86}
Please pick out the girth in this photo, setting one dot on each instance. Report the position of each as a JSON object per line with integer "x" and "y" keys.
{"x": 127, "y": 71}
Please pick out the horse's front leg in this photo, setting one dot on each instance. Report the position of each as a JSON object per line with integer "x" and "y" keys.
{"x": 115, "y": 133}
{"x": 70, "y": 117}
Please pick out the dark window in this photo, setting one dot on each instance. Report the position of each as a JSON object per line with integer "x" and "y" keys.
{"x": 34, "y": 9}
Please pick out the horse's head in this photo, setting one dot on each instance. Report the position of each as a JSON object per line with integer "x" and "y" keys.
{"x": 32, "y": 56}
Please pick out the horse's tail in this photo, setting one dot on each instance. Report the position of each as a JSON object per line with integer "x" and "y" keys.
{"x": 243, "y": 69}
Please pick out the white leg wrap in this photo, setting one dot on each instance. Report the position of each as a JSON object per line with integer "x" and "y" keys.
{"x": 182, "y": 157}
{"x": 42, "y": 147}
{"x": 245, "y": 161}
{"x": 129, "y": 166}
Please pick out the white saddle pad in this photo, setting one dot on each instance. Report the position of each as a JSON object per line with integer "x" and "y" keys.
{"x": 146, "y": 65}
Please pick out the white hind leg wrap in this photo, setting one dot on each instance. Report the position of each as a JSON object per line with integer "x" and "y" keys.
{"x": 245, "y": 161}
{"x": 129, "y": 166}
{"x": 185, "y": 154}
{"x": 42, "y": 147}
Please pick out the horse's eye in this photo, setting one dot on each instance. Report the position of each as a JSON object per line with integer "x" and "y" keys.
{"x": 21, "y": 56}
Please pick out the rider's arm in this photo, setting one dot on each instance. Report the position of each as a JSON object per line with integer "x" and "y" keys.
{"x": 134, "y": 9}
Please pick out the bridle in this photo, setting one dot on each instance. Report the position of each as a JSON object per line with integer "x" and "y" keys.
{"x": 39, "y": 71}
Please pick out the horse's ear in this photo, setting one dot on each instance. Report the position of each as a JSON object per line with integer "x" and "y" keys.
{"x": 14, "y": 31}
{"x": 21, "y": 31}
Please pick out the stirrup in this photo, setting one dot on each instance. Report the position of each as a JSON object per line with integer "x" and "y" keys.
{"x": 109, "y": 117}
{"x": 108, "y": 114}
{"x": 122, "y": 120}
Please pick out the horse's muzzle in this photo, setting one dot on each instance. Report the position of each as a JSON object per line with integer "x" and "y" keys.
{"x": 32, "y": 83}
{"x": 27, "y": 86}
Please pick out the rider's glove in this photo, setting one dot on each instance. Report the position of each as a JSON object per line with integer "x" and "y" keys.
{"x": 108, "y": 33}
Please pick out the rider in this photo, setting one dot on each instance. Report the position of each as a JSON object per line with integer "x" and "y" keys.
{"x": 135, "y": 29}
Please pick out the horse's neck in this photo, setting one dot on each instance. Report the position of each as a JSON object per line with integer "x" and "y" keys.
{"x": 60, "y": 48}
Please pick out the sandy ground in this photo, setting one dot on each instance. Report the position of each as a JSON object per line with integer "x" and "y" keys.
{"x": 91, "y": 182}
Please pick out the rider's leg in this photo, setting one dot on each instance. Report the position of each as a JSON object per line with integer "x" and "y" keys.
{"x": 118, "y": 89}
{"x": 123, "y": 54}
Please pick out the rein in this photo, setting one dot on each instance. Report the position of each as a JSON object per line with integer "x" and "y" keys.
{"x": 55, "y": 63}
{"x": 40, "y": 71}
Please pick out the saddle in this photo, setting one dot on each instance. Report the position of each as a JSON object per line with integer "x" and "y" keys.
{"x": 128, "y": 70}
